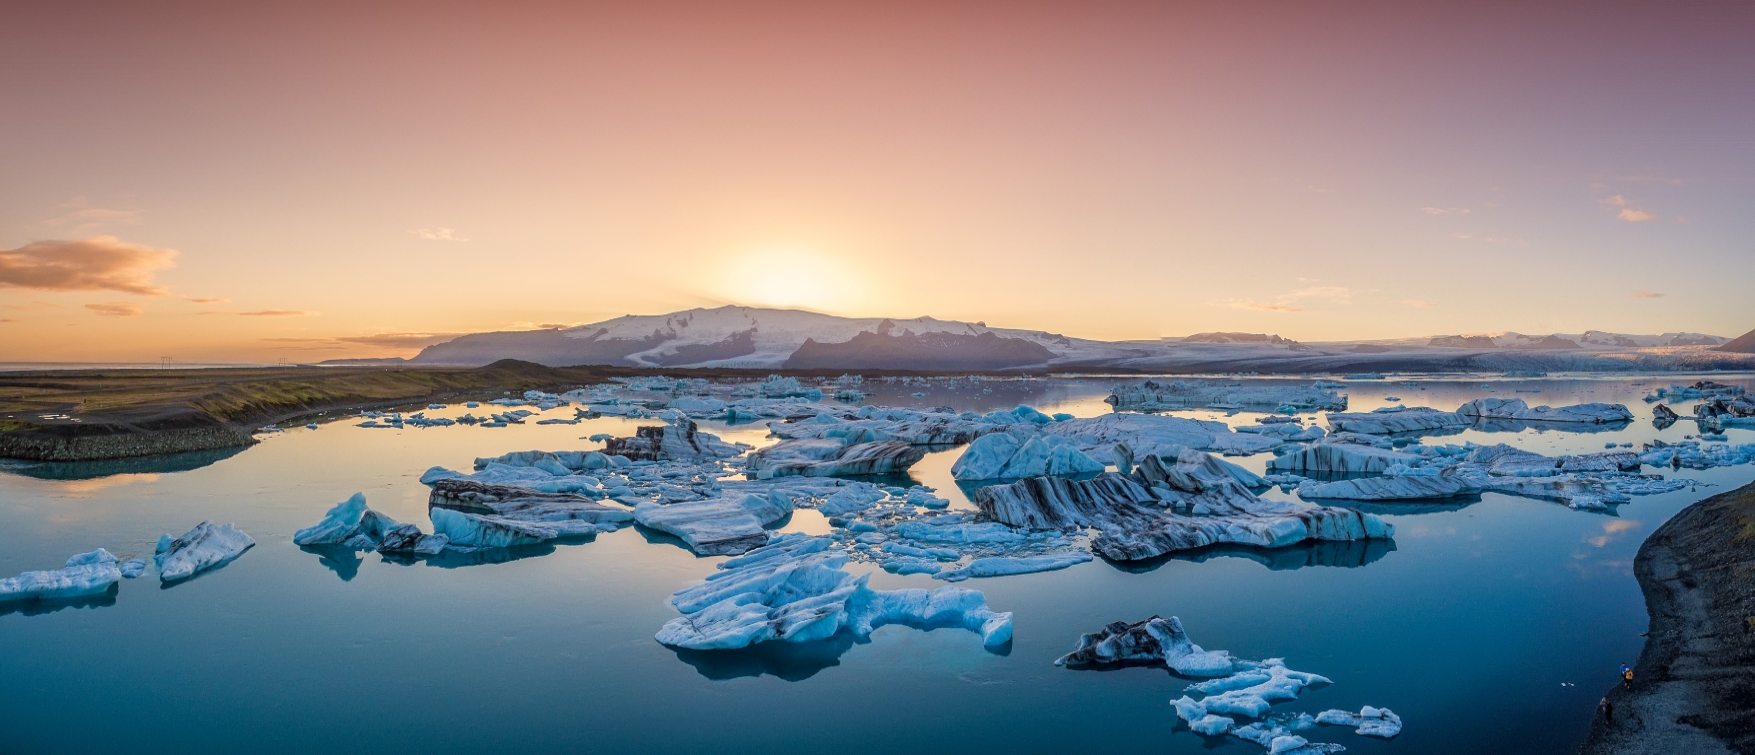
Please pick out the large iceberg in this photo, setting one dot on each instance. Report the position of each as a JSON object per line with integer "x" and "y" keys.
{"x": 207, "y": 546}
{"x": 1195, "y": 394}
{"x": 351, "y": 524}
{"x": 1516, "y": 409}
{"x": 681, "y": 440}
{"x": 1135, "y": 522}
{"x": 729, "y": 524}
{"x": 1397, "y": 420}
{"x": 1001, "y": 455}
{"x": 796, "y": 590}
{"x": 85, "y": 574}
{"x": 480, "y": 532}
{"x": 833, "y": 457}
{"x": 1149, "y": 434}
{"x": 1155, "y": 639}
{"x": 567, "y": 514}
{"x": 1342, "y": 458}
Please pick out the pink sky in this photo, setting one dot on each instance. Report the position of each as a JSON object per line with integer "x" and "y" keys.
{"x": 347, "y": 179}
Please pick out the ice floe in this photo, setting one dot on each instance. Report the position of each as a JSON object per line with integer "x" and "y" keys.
{"x": 205, "y": 547}
{"x": 834, "y": 457}
{"x": 1398, "y": 420}
{"x": 730, "y": 524}
{"x": 796, "y": 590}
{"x": 1193, "y": 394}
{"x": 1369, "y": 721}
{"x": 1000, "y": 566}
{"x": 83, "y": 575}
{"x": 1516, "y": 409}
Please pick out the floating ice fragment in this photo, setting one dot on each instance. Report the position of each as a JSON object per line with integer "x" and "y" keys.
{"x": 999, "y": 566}
{"x": 84, "y": 574}
{"x": 207, "y": 546}
{"x": 1369, "y": 721}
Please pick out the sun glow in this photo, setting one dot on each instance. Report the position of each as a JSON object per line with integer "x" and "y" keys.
{"x": 791, "y": 278}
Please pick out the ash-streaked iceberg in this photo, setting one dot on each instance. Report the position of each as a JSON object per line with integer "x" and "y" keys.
{"x": 833, "y": 457}
{"x": 1155, "y": 639}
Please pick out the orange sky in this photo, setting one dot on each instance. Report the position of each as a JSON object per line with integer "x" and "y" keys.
{"x": 348, "y": 179}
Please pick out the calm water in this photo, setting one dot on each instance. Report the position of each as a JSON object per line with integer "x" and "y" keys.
{"x": 1470, "y": 628}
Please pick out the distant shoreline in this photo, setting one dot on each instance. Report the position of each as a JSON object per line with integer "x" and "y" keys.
{"x": 1695, "y": 681}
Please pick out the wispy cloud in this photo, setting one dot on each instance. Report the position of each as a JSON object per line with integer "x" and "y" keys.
{"x": 77, "y": 216}
{"x": 1647, "y": 295}
{"x": 437, "y": 234}
{"x": 1261, "y": 306}
{"x": 266, "y": 313}
{"x": 1628, "y": 212}
{"x": 1445, "y": 210}
{"x": 399, "y": 340}
{"x": 208, "y": 301}
{"x": 99, "y": 263}
{"x": 115, "y": 309}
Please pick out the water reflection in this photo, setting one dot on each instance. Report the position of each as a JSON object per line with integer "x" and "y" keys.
{"x": 794, "y": 661}
{"x": 87, "y": 470}
{"x": 40, "y": 607}
{"x": 1348, "y": 554}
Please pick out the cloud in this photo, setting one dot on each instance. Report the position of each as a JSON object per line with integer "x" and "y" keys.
{"x": 208, "y": 301}
{"x": 294, "y": 339}
{"x": 1634, "y": 216}
{"x": 437, "y": 234}
{"x": 115, "y": 309}
{"x": 400, "y": 340}
{"x": 1445, "y": 210}
{"x": 79, "y": 217}
{"x": 100, "y": 263}
{"x": 1647, "y": 295}
{"x": 1261, "y": 306}
{"x": 265, "y": 313}
{"x": 1615, "y": 201}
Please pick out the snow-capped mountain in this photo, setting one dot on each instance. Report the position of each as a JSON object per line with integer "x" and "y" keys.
{"x": 758, "y": 338}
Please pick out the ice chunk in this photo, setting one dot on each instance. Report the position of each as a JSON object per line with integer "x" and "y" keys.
{"x": 795, "y": 590}
{"x": 986, "y": 532}
{"x": 1251, "y": 693}
{"x": 1191, "y": 394}
{"x": 1419, "y": 419}
{"x": 1402, "y": 488}
{"x": 1345, "y": 458}
{"x": 985, "y": 457}
{"x": 1155, "y": 639}
{"x": 338, "y": 524}
{"x": 822, "y": 457}
{"x": 207, "y": 546}
{"x": 1369, "y": 721}
{"x": 1146, "y": 434}
{"x": 1211, "y": 725}
{"x": 726, "y": 525}
{"x": 1516, "y": 409}
{"x": 84, "y": 574}
{"x": 484, "y": 531}
{"x": 998, "y": 566}
{"x": 434, "y": 474}
{"x": 681, "y": 440}
{"x": 911, "y": 566}
{"x": 133, "y": 567}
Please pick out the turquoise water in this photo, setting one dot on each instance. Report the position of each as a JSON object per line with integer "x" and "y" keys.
{"x": 1469, "y": 628}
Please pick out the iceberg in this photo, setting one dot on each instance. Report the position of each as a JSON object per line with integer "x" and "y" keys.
{"x": 1194, "y": 394}
{"x": 1251, "y": 692}
{"x": 1401, "y": 488}
{"x": 828, "y": 457}
{"x": 999, "y": 455}
{"x": 1155, "y": 639}
{"x": 1369, "y": 721}
{"x": 566, "y": 513}
{"x": 1337, "y": 457}
{"x": 1000, "y": 566}
{"x": 207, "y": 546}
{"x": 1147, "y": 434}
{"x": 353, "y": 525}
{"x": 84, "y": 574}
{"x": 1516, "y": 409}
{"x": 678, "y": 441}
{"x": 477, "y": 531}
{"x": 1135, "y": 523}
{"x": 727, "y": 525}
{"x": 1398, "y": 420}
{"x": 796, "y": 590}
{"x": 959, "y": 534}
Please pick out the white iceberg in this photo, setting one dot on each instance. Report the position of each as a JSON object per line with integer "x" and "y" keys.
{"x": 1516, "y": 409}
{"x": 1000, "y": 566}
{"x": 795, "y": 590}
{"x": 207, "y": 546}
{"x": 729, "y": 524}
{"x": 1000, "y": 455}
{"x": 1369, "y": 721}
{"x": 84, "y": 574}
{"x": 477, "y": 531}
{"x": 1395, "y": 420}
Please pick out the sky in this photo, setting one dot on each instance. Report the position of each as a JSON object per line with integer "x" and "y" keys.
{"x": 221, "y": 181}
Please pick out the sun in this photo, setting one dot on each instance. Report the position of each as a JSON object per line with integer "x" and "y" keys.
{"x": 786, "y": 277}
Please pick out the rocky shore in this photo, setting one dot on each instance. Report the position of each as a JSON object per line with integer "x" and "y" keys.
{"x": 1694, "y": 685}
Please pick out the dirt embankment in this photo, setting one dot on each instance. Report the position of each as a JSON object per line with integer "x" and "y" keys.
{"x": 1694, "y": 686}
